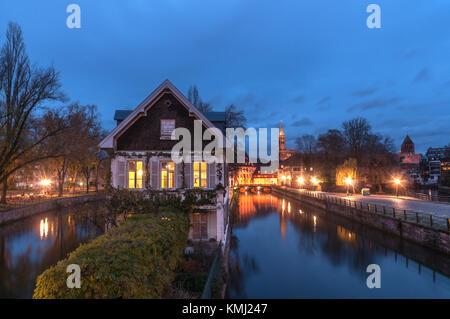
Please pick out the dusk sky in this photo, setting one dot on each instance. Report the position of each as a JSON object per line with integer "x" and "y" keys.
{"x": 312, "y": 64}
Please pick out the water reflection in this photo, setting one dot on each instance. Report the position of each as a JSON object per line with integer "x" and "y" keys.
{"x": 282, "y": 249}
{"x": 30, "y": 246}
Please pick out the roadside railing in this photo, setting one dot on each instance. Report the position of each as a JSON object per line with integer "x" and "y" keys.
{"x": 422, "y": 196}
{"x": 18, "y": 201}
{"x": 213, "y": 271}
{"x": 419, "y": 218}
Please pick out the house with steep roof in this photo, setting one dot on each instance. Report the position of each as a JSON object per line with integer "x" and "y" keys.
{"x": 142, "y": 147}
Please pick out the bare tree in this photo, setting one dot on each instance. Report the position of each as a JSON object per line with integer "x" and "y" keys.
{"x": 196, "y": 100}
{"x": 235, "y": 117}
{"x": 23, "y": 89}
{"x": 306, "y": 144}
{"x": 356, "y": 133}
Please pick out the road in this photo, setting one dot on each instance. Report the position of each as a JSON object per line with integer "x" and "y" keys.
{"x": 408, "y": 203}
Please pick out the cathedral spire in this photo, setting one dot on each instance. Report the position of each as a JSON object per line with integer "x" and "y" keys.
{"x": 281, "y": 128}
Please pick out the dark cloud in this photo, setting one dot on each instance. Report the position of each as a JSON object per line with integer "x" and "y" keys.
{"x": 302, "y": 122}
{"x": 324, "y": 100}
{"x": 375, "y": 103}
{"x": 299, "y": 99}
{"x": 364, "y": 92}
{"x": 422, "y": 76}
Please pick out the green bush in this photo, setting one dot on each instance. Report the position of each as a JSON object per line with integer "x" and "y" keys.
{"x": 137, "y": 259}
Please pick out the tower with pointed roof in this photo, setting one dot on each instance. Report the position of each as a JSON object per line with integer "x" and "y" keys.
{"x": 407, "y": 146}
{"x": 282, "y": 138}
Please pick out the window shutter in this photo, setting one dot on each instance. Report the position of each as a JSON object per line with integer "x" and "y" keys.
{"x": 188, "y": 175}
{"x": 121, "y": 174}
{"x": 212, "y": 175}
{"x": 179, "y": 174}
{"x": 154, "y": 173}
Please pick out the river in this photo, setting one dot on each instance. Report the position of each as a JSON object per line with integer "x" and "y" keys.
{"x": 30, "y": 246}
{"x": 285, "y": 249}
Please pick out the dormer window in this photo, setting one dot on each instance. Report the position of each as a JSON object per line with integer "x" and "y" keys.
{"x": 167, "y": 127}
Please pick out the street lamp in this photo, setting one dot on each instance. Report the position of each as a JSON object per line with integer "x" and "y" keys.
{"x": 349, "y": 182}
{"x": 315, "y": 181}
{"x": 397, "y": 183}
{"x": 301, "y": 181}
{"x": 45, "y": 183}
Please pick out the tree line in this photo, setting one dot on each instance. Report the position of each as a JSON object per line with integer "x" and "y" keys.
{"x": 60, "y": 140}
{"x": 353, "y": 149}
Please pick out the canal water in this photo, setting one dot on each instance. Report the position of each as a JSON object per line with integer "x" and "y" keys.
{"x": 30, "y": 246}
{"x": 284, "y": 249}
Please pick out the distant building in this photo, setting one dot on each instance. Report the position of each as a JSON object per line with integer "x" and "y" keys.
{"x": 284, "y": 154}
{"x": 409, "y": 160}
{"x": 437, "y": 162}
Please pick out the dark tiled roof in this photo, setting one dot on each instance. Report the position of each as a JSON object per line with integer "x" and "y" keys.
{"x": 218, "y": 118}
{"x": 120, "y": 115}
{"x": 294, "y": 160}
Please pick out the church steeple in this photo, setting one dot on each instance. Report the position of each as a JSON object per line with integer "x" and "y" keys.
{"x": 282, "y": 138}
{"x": 407, "y": 145}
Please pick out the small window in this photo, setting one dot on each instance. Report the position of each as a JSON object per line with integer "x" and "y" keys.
{"x": 199, "y": 225}
{"x": 135, "y": 174}
{"x": 167, "y": 127}
{"x": 167, "y": 175}
{"x": 200, "y": 174}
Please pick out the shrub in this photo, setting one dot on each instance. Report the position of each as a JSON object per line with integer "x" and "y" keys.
{"x": 137, "y": 259}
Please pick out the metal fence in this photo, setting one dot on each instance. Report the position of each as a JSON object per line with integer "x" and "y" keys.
{"x": 18, "y": 201}
{"x": 422, "y": 196}
{"x": 423, "y": 219}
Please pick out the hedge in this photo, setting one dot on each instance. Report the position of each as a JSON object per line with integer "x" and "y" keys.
{"x": 137, "y": 259}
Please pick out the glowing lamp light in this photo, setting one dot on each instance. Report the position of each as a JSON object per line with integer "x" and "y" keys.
{"x": 301, "y": 180}
{"x": 81, "y": 183}
{"x": 397, "y": 181}
{"x": 348, "y": 181}
{"x": 45, "y": 182}
{"x": 289, "y": 177}
{"x": 315, "y": 181}
{"x": 283, "y": 178}
{"x": 139, "y": 172}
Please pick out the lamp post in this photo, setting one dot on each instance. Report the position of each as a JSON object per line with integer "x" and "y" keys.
{"x": 301, "y": 181}
{"x": 397, "y": 183}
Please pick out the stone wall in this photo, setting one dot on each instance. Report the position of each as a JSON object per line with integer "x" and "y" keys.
{"x": 431, "y": 238}
{"x": 34, "y": 209}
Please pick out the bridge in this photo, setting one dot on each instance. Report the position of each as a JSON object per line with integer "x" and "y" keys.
{"x": 253, "y": 188}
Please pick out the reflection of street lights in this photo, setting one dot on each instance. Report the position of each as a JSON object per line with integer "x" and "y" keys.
{"x": 349, "y": 182}
{"x": 397, "y": 183}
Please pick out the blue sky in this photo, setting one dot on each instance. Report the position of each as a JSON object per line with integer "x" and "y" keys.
{"x": 311, "y": 63}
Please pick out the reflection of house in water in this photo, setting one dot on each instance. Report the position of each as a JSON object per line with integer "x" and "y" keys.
{"x": 251, "y": 205}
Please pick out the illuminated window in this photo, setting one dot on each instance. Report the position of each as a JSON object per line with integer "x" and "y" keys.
{"x": 200, "y": 174}
{"x": 199, "y": 223}
{"x": 167, "y": 175}
{"x": 135, "y": 174}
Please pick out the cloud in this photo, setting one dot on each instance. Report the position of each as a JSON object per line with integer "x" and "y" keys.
{"x": 324, "y": 100}
{"x": 364, "y": 92}
{"x": 372, "y": 104}
{"x": 302, "y": 122}
{"x": 422, "y": 76}
{"x": 299, "y": 99}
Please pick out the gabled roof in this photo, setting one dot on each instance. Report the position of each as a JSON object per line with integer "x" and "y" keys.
{"x": 109, "y": 140}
